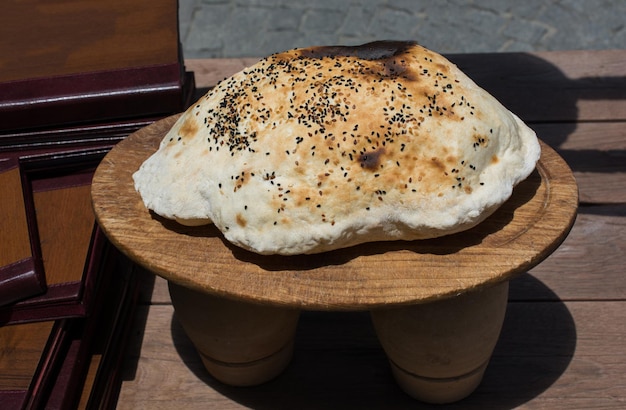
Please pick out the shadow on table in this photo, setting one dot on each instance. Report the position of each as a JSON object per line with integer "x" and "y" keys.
{"x": 338, "y": 362}
{"x": 548, "y": 100}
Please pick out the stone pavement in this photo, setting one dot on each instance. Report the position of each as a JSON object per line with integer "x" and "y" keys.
{"x": 254, "y": 28}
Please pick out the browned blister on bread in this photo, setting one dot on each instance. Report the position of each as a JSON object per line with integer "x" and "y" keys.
{"x": 326, "y": 147}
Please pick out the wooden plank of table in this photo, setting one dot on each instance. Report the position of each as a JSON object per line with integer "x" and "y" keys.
{"x": 589, "y": 265}
{"x": 539, "y": 87}
{"x": 596, "y": 152}
{"x": 553, "y": 86}
{"x": 209, "y": 72}
{"x": 159, "y": 294}
{"x": 548, "y": 351}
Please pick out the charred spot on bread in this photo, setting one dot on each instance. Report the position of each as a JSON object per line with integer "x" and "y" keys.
{"x": 371, "y": 160}
{"x": 389, "y": 55}
{"x": 376, "y": 50}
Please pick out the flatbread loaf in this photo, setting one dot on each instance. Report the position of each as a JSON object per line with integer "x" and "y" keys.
{"x": 322, "y": 148}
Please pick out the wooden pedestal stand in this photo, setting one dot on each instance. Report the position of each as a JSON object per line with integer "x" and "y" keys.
{"x": 437, "y": 305}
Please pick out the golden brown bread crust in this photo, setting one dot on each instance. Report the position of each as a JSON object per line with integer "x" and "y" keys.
{"x": 319, "y": 148}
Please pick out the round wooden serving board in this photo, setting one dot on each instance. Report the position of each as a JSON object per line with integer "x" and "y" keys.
{"x": 519, "y": 235}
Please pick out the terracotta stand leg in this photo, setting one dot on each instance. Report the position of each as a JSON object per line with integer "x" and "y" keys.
{"x": 241, "y": 344}
{"x": 439, "y": 351}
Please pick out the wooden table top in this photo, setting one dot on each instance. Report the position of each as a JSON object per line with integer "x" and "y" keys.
{"x": 563, "y": 344}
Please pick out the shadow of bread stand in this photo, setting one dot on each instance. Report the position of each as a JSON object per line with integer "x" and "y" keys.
{"x": 437, "y": 305}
